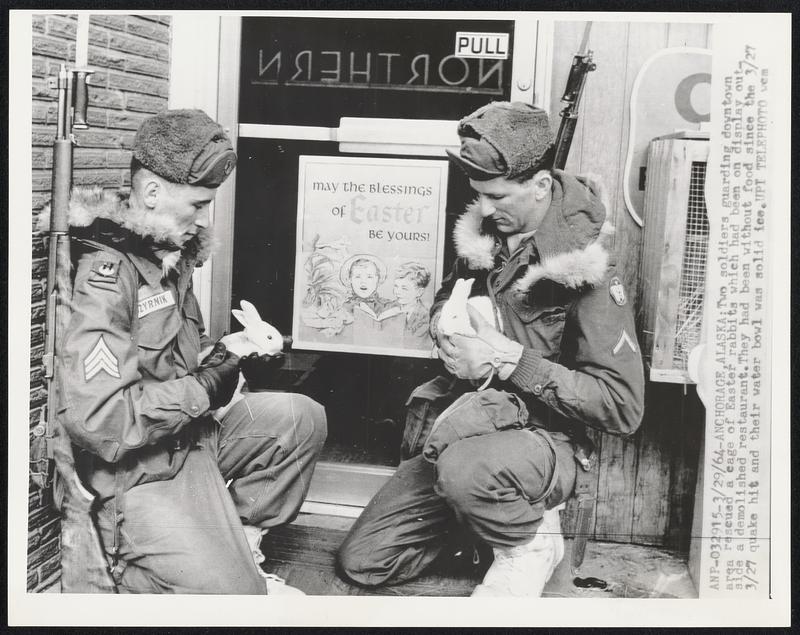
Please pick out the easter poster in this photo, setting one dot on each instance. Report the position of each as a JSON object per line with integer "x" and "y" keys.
{"x": 370, "y": 237}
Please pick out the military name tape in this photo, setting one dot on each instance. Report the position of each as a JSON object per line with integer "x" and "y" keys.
{"x": 155, "y": 302}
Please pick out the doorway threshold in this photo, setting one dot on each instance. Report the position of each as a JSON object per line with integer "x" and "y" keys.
{"x": 344, "y": 489}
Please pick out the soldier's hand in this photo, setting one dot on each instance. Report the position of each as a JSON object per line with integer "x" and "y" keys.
{"x": 465, "y": 356}
{"x": 218, "y": 374}
{"x": 486, "y": 331}
{"x": 475, "y": 357}
{"x": 259, "y": 370}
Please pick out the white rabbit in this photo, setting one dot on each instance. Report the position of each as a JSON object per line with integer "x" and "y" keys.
{"x": 484, "y": 305}
{"x": 454, "y": 318}
{"x": 258, "y": 336}
{"x": 265, "y": 337}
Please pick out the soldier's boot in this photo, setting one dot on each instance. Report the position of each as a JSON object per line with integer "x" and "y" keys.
{"x": 275, "y": 585}
{"x": 523, "y": 570}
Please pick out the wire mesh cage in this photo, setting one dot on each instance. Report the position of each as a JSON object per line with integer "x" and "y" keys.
{"x": 693, "y": 270}
{"x": 674, "y": 252}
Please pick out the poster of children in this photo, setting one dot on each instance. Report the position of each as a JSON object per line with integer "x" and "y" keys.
{"x": 370, "y": 236}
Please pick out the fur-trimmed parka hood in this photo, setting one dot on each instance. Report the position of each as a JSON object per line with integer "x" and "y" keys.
{"x": 105, "y": 216}
{"x": 571, "y": 240}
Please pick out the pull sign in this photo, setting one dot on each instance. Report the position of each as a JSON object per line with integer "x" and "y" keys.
{"x": 487, "y": 45}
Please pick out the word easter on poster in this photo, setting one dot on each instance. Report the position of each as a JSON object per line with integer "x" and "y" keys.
{"x": 369, "y": 253}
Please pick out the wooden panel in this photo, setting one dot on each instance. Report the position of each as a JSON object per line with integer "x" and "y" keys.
{"x": 568, "y": 36}
{"x": 643, "y": 41}
{"x": 652, "y": 242}
{"x": 603, "y": 115}
{"x": 604, "y": 104}
{"x": 667, "y": 471}
{"x": 696, "y": 537}
{"x": 617, "y": 473}
{"x": 651, "y": 489}
{"x": 685, "y": 453}
{"x": 645, "y": 484}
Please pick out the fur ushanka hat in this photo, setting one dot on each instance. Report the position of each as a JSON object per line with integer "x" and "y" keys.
{"x": 505, "y": 139}
{"x": 185, "y": 146}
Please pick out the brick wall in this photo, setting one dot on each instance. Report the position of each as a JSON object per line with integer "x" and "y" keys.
{"x": 130, "y": 55}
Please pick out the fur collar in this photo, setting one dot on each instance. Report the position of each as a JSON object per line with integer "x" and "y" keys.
{"x": 573, "y": 269}
{"x": 90, "y": 204}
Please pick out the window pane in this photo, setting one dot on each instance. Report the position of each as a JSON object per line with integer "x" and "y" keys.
{"x": 313, "y": 71}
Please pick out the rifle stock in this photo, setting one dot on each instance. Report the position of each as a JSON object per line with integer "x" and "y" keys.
{"x": 84, "y": 568}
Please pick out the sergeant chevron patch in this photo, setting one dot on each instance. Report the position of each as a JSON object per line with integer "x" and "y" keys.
{"x": 101, "y": 358}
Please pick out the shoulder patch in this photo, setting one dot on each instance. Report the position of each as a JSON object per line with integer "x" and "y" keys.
{"x": 104, "y": 270}
{"x": 617, "y": 291}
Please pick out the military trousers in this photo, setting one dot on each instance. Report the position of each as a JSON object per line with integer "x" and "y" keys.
{"x": 497, "y": 485}
{"x": 185, "y": 535}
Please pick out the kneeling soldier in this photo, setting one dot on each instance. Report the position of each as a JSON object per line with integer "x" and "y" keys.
{"x": 534, "y": 242}
{"x": 175, "y": 484}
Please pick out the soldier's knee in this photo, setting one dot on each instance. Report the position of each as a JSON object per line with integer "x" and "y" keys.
{"x": 354, "y": 565}
{"x": 347, "y": 561}
{"x": 314, "y": 414}
{"x": 292, "y": 414}
{"x": 455, "y": 477}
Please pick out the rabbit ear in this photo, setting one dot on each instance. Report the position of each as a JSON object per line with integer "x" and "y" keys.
{"x": 461, "y": 288}
{"x": 239, "y": 316}
{"x": 250, "y": 312}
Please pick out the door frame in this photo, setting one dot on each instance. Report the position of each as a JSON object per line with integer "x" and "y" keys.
{"x": 205, "y": 40}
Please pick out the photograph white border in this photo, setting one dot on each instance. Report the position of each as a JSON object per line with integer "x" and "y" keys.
{"x": 46, "y": 609}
